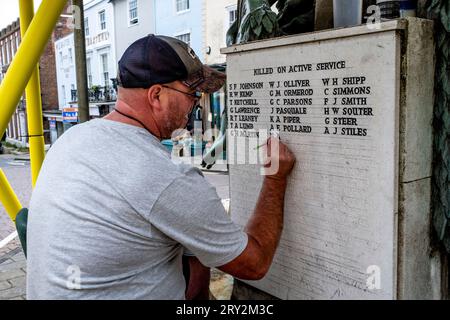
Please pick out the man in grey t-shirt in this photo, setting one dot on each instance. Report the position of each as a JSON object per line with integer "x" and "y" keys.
{"x": 111, "y": 215}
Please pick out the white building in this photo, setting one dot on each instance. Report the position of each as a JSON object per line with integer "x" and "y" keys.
{"x": 101, "y": 62}
{"x": 220, "y": 15}
{"x": 65, "y": 70}
{"x": 100, "y": 42}
{"x": 133, "y": 19}
{"x": 202, "y": 24}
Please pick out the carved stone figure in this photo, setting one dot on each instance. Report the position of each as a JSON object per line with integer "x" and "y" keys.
{"x": 256, "y": 20}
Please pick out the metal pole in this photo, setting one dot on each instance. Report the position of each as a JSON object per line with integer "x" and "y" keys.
{"x": 80, "y": 64}
{"x": 8, "y": 197}
{"x": 33, "y": 100}
{"x": 17, "y": 77}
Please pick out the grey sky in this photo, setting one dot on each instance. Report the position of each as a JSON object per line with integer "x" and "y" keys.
{"x": 9, "y": 11}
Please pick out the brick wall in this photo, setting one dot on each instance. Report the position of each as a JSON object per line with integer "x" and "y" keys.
{"x": 49, "y": 89}
{"x": 47, "y": 70}
{"x": 47, "y": 63}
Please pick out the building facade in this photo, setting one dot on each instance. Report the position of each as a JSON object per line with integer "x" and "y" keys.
{"x": 100, "y": 42}
{"x": 9, "y": 43}
{"x": 133, "y": 19}
{"x": 110, "y": 27}
{"x": 101, "y": 62}
{"x": 182, "y": 19}
{"x": 201, "y": 23}
{"x": 53, "y": 121}
{"x": 10, "y": 39}
{"x": 220, "y": 15}
{"x": 65, "y": 70}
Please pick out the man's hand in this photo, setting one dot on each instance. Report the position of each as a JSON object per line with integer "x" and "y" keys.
{"x": 280, "y": 160}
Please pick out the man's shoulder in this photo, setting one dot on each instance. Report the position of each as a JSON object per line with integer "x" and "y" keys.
{"x": 79, "y": 132}
{"x": 113, "y": 136}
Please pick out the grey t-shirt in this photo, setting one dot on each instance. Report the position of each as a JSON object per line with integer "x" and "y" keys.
{"x": 111, "y": 215}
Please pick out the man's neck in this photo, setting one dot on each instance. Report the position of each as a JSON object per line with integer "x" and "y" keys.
{"x": 124, "y": 113}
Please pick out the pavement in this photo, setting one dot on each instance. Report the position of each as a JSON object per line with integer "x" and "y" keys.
{"x": 13, "y": 275}
{"x": 17, "y": 170}
{"x": 12, "y": 259}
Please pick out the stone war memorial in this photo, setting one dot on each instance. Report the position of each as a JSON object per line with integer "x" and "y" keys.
{"x": 356, "y": 106}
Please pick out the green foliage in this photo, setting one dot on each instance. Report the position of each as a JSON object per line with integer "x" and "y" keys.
{"x": 441, "y": 122}
{"x": 15, "y": 147}
{"x": 258, "y": 23}
{"x": 442, "y": 9}
{"x": 9, "y": 144}
{"x": 95, "y": 88}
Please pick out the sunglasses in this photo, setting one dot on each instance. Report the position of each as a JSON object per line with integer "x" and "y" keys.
{"x": 196, "y": 95}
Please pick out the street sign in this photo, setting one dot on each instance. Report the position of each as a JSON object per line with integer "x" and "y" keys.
{"x": 52, "y": 123}
{"x": 70, "y": 115}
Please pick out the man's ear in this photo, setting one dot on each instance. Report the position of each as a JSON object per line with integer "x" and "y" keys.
{"x": 153, "y": 97}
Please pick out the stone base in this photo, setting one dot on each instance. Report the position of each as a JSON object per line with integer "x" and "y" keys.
{"x": 243, "y": 291}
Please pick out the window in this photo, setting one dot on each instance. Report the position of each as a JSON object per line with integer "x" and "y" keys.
{"x": 186, "y": 37}
{"x": 232, "y": 16}
{"x": 63, "y": 90}
{"x": 102, "y": 18}
{"x": 70, "y": 55}
{"x": 133, "y": 11}
{"x": 89, "y": 72}
{"x": 8, "y": 57}
{"x": 13, "y": 47}
{"x": 60, "y": 58}
{"x": 86, "y": 27}
{"x": 73, "y": 93}
{"x": 2, "y": 54}
{"x": 17, "y": 42}
{"x": 104, "y": 58}
{"x": 182, "y": 5}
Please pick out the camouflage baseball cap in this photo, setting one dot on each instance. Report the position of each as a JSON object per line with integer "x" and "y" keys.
{"x": 161, "y": 59}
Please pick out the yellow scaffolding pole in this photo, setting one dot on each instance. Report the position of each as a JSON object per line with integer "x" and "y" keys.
{"x": 34, "y": 103}
{"x": 17, "y": 77}
{"x": 8, "y": 197}
{"x": 27, "y": 57}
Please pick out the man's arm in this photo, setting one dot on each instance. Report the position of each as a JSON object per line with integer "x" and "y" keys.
{"x": 197, "y": 278}
{"x": 266, "y": 223}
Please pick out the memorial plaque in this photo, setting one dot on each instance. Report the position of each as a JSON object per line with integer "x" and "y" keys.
{"x": 335, "y": 102}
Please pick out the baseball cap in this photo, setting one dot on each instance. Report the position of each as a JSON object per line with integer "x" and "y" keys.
{"x": 160, "y": 59}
